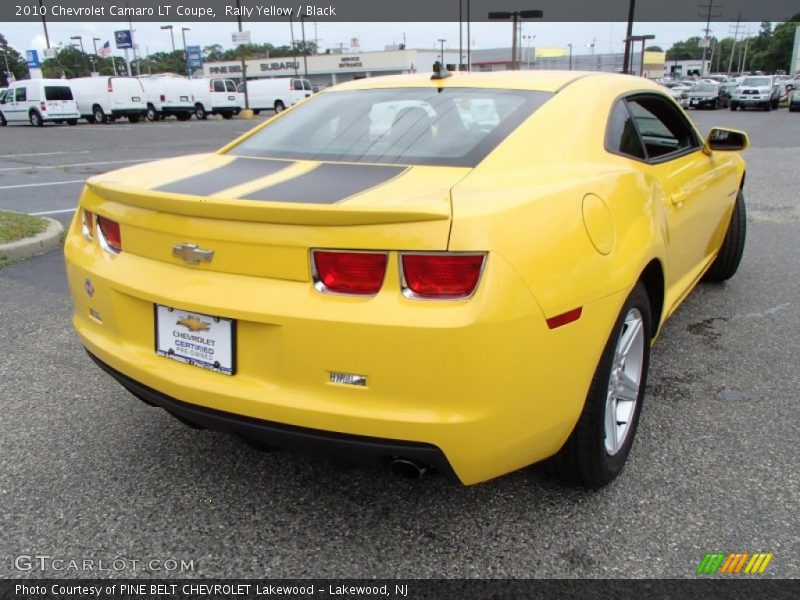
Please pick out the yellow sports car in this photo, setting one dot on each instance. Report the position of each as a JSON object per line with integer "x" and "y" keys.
{"x": 457, "y": 272}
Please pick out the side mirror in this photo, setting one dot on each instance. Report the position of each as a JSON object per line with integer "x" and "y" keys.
{"x": 726, "y": 140}
{"x": 790, "y": 86}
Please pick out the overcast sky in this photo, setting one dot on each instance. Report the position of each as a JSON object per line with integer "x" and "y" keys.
{"x": 372, "y": 36}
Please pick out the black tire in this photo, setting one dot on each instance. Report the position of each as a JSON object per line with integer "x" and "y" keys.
{"x": 256, "y": 111}
{"x": 36, "y": 119}
{"x": 768, "y": 106}
{"x": 3, "y": 121}
{"x": 727, "y": 261}
{"x": 99, "y": 115}
{"x": 716, "y": 104}
{"x": 90, "y": 119}
{"x": 733, "y": 106}
{"x": 279, "y": 107}
{"x": 152, "y": 113}
{"x": 134, "y": 118}
{"x": 72, "y": 122}
{"x": 227, "y": 115}
{"x": 584, "y": 460}
{"x": 776, "y": 103}
{"x": 200, "y": 112}
{"x": 183, "y": 116}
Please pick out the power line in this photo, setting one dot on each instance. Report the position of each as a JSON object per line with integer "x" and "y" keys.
{"x": 708, "y": 15}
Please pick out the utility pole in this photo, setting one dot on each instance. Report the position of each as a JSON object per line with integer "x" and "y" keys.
{"x": 708, "y": 15}
{"x": 460, "y": 40}
{"x": 305, "y": 53}
{"x": 294, "y": 53}
{"x": 735, "y": 37}
{"x": 186, "y": 52}
{"x": 442, "y": 41}
{"x": 44, "y": 24}
{"x": 515, "y": 17}
{"x": 241, "y": 52}
{"x": 626, "y": 59}
{"x": 469, "y": 41}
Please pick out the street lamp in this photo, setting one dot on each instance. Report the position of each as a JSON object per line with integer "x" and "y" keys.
{"x": 305, "y": 52}
{"x": 8, "y": 71}
{"x": 91, "y": 58}
{"x": 441, "y": 42}
{"x": 185, "y": 52}
{"x": 570, "y": 56}
{"x": 515, "y": 16}
{"x": 171, "y": 35}
{"x": 643, "y": 39}
{"x": 529, "y": 38}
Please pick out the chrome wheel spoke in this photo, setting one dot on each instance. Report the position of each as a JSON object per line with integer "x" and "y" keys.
{"x": 611, "y": 425}
{"x": 628, "y": 389}
{"x": 632, "y": 329}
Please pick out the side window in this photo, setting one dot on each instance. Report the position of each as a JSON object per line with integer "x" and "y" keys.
{"x": 219, "y": 85}
{"x": 306, "y": 84}
{"x": 21, "y": 94}
{"x": 230, "y": 86}
{"x": 297, "y": 85}
{"x": 621, "y": 134}
{"x": 662, "y": 126}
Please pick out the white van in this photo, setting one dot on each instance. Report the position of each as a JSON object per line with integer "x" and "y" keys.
{"x": 103, "y": 99}
{"x": 39, "y": 101}
{"x": 276, "y": 94}
{"x": 168, "y": 95}
{"x": 215, "y": 96}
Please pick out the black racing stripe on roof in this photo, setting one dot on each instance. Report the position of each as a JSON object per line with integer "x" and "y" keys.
{"x": 241, "y": 170}
{"x": 327, "y": 184}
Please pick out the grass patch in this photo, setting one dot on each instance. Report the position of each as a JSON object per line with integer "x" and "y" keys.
{"x": 16, "y": 226}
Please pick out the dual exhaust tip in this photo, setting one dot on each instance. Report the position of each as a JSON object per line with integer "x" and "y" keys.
{"x": 407, "y": 468}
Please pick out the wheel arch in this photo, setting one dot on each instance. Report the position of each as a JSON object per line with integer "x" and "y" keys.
{"x": 652, "y": 277}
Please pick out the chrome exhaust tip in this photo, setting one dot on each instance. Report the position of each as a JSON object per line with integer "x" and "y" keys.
{"x": 407, "y": 468}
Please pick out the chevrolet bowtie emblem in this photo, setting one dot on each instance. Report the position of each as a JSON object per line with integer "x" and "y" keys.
{"x": 192, "y": 254}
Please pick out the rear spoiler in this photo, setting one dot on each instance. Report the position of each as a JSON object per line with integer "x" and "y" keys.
{"x": 259, "y": 211}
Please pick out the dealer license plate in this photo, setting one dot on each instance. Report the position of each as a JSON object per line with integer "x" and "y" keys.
{"x": 195, "y": 339}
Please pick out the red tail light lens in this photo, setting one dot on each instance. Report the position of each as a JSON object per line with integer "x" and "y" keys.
{"x": 87, "y": 224}
{"x": 43, "y": 106}
{"x": 110, "y": 237}
{"x": 359, "y": 273}
{"x": 110, "y": 86}
{"x": 441, "y": 276}
{"x": 163, "y": 98}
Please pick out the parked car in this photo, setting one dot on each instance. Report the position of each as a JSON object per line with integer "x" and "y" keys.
{"x": 756, "y": 92}
{"x": 276, "y": 94}
{"x": 707, "y": 95}
{"x": 216, "y": 96}
{"x": 726, "y": 91}
{"x": 679, "y": 92}
{"x": 473, "y": 289}
{"x": 794, "y": 100}
{"x": 168, "y": 96}
{"x": 104, "y": 99}
{"x": 39, "y": 101}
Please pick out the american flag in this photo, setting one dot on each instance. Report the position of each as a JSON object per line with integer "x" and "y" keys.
{"x": 105, "y": 50}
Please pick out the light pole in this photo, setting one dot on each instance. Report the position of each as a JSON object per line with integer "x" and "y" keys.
{"x": 94, "y": 43}
{"x": 570, "y": 56}
{"x": 185, "y": 52}
{"x": 171, "y": 35}
{"x": 515, "y": 16}
{"x": 44, "y": 24}
{"x": 305, "y": 53}
{"x": 8, "y": 71}
{"x": 80, "y": 39}
{"x": 529, "y": 38}
{"x": 639, "y": 38}
{"x": 241, "y": 52}
{"x": 441, "y": 42}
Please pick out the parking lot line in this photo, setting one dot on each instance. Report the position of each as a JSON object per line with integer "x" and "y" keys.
{"x": 89, "y": 164}
{"x": 45, "y": 153}
{"x": 29, "y": 185}
{"x": 53, "y": 212}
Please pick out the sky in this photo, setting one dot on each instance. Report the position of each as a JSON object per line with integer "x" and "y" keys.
{"x": 607, "y": 37}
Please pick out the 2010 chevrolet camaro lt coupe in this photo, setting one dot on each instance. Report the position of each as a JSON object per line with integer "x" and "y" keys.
{"x": 461, "y": 272}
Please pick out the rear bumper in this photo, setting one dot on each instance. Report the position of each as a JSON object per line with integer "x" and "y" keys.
{"x": 177, "y": 110}
{"x": 351, "y": 448}
{"x": 126, "y": 112}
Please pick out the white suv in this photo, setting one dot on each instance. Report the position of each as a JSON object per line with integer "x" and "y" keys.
{"x": 758, "y": 91}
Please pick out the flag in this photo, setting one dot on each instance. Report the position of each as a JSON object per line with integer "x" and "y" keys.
{"x": 105, "y": 50}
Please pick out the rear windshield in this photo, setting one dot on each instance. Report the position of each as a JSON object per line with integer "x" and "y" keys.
{"x": 424, "y": 126}
{"x": 57, "y": 92}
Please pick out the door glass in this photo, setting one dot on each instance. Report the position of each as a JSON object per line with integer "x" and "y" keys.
{"x": 21, "y": 94}
{"x": 621, "y": 135}
{"x": 219, "y": 85}
{"x": 306, "y": 84}
{"x": 297, "y": 85}
{"x": 230, "y": 86}
{"x": 662, "y": 126}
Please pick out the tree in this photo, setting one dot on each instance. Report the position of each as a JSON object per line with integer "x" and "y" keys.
{"x": 17, "y": 64}
{"x": 648, "y": 49}
{"x": 691, "y": 49}
{"x": 776, "y": 54}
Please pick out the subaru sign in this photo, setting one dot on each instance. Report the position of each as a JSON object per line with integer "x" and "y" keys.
{"x": 123, "y": 38}
{"x": 32, "y": 58}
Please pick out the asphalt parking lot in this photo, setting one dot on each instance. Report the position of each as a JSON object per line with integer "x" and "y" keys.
{"x": 89, "y": 472}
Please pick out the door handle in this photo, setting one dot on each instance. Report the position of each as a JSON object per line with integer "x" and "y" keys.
{"x": 678, "y": 198}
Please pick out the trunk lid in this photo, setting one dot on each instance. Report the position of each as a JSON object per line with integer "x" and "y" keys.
{"x": 261, "y": 216}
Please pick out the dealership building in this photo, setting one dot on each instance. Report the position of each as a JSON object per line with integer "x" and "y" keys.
{"x": 329, "y": 69}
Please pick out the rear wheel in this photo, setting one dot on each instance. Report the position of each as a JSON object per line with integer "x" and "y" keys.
{"x": 227, "y": 115}
{"x": 279, "y": 106}
{"x": 183, "y": 116}
{"x": 152, "y": 113}
{"x": 134, "y": 118}
{"x": 730, "y": 253}
{"x": 99, "y": 115}
{"x": 72, "y": 122}
{"x": 256, "y": 111}
{"x": 598, "y": 447}
{"x": 200, "y": 112}
{"x": 3, "y": 121}
{"x": 36, "y": 119}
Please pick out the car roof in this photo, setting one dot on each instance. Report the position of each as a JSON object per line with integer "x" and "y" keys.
{"x": 544, "y": 81}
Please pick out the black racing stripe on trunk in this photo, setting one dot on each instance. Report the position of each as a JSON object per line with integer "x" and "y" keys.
{"x": 327, "y": 184}
{"x": 241, "y": 170}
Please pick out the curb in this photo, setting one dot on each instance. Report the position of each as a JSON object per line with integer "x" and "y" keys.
{"x": 48, "y": 240}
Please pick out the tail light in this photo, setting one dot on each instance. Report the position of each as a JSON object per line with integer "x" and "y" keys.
{"x": 43, "y": 106}
{"x": 441, "y": 276}
{"x": 163, "y": 98}
{"x": 109, "y": 235}
{"x": 357, "y": 273}
{"x": 210, "y": 86}
{"x": 87, "y": 223}
{"x": 110, "y": 85}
